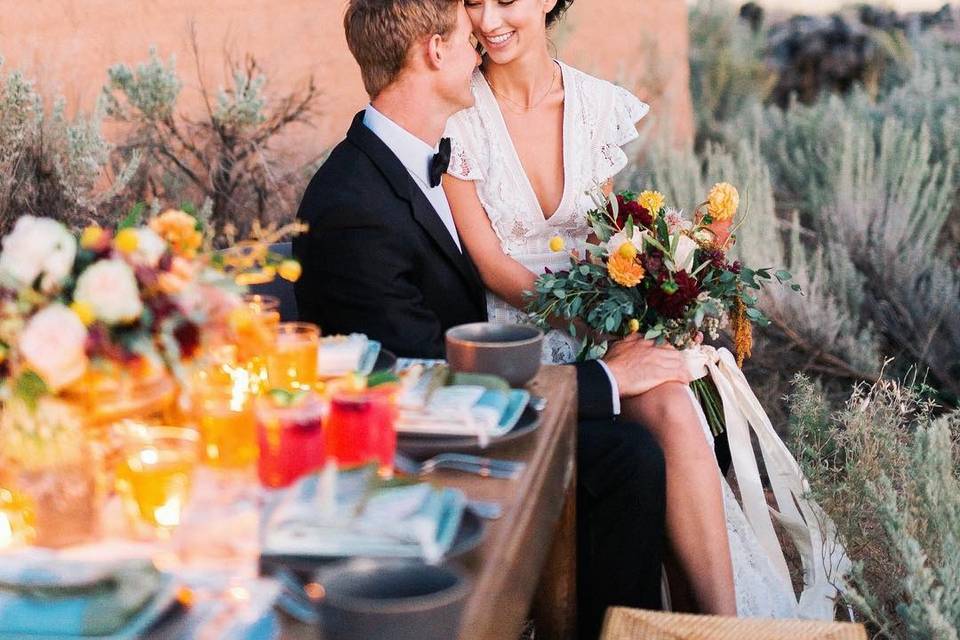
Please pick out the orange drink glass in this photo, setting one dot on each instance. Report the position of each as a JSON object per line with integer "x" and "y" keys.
{"x": 265, "y": 311}
{"x": 223, "y": 411}
{"x": 292, "y": 363}
{"x": 154, "y": 476}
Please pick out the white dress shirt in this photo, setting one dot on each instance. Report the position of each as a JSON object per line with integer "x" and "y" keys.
{"x": 415, "y": 154}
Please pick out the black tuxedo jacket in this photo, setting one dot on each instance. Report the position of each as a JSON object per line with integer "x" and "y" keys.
{"x": 378, "y": 260}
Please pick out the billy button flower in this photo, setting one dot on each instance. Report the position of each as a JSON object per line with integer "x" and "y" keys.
{"x": 126, "y": 240}
{"x": 633, "y": 325}
{"x": 557, "y": 244}
{"x": 84, "y": 311}
{"x": 290, "y": 270}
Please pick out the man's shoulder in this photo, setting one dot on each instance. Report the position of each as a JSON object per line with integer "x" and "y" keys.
{"x": 347, "y": 181}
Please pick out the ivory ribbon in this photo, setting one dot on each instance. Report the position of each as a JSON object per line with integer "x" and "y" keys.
{"x": 807, "y": 525}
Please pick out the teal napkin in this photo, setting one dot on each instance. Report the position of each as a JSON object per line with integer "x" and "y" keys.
{"x": 54, "y": 598}
{"x": 363, "y": 518}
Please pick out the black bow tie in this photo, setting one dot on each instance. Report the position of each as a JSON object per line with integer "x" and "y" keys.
{"x": 440, "y": 162}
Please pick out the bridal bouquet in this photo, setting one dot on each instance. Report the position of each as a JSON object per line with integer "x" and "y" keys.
{"x": 137, "y": 300}
{"x": 653, "y": 270}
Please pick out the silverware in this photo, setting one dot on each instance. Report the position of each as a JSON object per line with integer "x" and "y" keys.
{"x": 485, "y": 467}
{"x": 537, "y": 403}
{"x": 486, "y": 509}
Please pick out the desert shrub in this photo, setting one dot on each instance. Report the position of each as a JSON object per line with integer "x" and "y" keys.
{"x": 227, "y": 155}
{"x": 51, "y": 165}
{"x": 885, "y": 470}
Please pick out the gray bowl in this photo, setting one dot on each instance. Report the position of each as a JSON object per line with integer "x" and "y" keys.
{"x": 511, "y": 351}
{"x": 390, "y": 600}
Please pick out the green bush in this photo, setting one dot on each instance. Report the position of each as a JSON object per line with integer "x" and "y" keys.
{"x": 885, "y": 470}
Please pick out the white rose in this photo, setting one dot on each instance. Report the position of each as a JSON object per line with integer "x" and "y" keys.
{"x": 110, "y": 288}
{"x": 150, "y": 247}
{"x": 37, "y": 248}
{"x": 619, "y": 239}
{"x": 54, "y": 345}
{"x": 683, "y": 256}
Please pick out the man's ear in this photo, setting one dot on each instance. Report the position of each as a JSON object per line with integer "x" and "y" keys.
{"x": 434, "y": 51}
{"x": 549, "y": 5}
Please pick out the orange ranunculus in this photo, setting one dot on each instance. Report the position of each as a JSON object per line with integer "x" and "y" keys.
{"x": 625, "y": 271}
{"x": 179, "y": 229}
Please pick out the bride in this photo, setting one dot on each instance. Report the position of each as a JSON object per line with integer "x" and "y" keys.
{"x": 523, "y": 158}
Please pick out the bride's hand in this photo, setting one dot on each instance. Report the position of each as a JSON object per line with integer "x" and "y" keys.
{"x": 639, "y": 365}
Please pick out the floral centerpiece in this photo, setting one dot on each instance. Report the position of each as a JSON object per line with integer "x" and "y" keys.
{"x": 99, "y": 326}
{"x": 653, "y": 270}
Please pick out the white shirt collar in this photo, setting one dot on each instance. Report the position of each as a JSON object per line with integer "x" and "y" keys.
{"x": 414, "y": 153}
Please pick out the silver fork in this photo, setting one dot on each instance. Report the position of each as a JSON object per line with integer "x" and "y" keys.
{"x": 485, "y": 467}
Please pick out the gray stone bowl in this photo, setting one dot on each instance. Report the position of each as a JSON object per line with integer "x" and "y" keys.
{"x": 366, "y": 599}
{"x": 511, "y": 351}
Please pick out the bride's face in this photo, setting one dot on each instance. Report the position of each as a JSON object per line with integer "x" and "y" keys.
{"x": 509, "y": 28}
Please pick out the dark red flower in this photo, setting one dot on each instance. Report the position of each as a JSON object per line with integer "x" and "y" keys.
{"x": 672, "y": 297}
{"x": 652, "y": 261}
{"x": 188, "y": 338}
{"x": 631, "y": 208}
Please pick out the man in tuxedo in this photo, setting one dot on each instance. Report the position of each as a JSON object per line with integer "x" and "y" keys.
{"x": 382, "y": 257}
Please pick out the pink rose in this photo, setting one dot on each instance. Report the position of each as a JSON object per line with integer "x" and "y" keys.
{"x": 53, "y": 345}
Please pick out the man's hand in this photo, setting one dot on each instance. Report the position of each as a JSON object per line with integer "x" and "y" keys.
{"x": 640, "y": 365}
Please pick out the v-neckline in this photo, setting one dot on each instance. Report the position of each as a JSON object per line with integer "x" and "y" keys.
{"x": 505, "y": 131}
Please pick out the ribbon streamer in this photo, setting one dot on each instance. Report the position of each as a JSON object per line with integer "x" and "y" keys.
{"x": 809, "y": 528}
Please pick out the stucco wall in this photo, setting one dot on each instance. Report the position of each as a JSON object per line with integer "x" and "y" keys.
{"x": 67, "y": 45}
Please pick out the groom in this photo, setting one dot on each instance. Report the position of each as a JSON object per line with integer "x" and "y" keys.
{"x": 382, "y": 257}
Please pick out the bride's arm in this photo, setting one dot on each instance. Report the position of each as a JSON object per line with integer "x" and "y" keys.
{"x": 501, "y": 274}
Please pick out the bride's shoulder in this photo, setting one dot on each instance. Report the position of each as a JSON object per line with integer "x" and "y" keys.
{"x": 602, "y": 97}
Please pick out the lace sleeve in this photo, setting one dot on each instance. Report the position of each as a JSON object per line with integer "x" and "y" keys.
{"x": 466, "y": 155}
{"x": 620, "y": 115}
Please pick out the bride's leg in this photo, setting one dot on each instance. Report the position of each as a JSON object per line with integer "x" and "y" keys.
{"x": 696, "y": 523}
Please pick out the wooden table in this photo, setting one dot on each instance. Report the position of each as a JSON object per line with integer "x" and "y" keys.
{"x": 534, "y": 542}
{"x": 527, "y": 558}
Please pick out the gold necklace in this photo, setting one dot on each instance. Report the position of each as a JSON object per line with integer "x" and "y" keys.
{"x": 524, "y": 108}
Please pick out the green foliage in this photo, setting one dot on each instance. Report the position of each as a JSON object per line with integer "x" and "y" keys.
{"x": 885, "y": 469}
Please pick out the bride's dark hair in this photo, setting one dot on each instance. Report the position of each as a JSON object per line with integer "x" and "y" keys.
{"x": 557, "y": 12}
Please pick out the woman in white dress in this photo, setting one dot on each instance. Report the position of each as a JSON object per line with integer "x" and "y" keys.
{"x": 540, "y": 135}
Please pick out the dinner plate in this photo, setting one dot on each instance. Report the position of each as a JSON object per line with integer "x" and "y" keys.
{"x": 469, "y": 536}
{"x": 421, "y": 445}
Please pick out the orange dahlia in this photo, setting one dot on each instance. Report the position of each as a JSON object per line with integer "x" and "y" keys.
{"x": 625, "y": 271}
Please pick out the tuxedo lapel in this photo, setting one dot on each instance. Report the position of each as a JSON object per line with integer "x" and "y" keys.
{"x": 423, "y": 212}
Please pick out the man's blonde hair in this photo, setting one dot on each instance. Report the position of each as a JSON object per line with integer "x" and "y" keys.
{"x": 381, "y": 32}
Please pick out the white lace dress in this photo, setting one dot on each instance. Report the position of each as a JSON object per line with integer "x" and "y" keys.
{"x": 598, "y": 119}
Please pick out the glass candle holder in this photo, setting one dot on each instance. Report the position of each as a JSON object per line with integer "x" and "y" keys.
{"x": 154, "y": 477}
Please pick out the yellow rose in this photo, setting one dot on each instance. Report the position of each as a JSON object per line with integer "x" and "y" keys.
{"x": 722, "y": 202}
{"x": 652, "y": 201}
{"x": 127, "y": 240}
{"x": 290, "y": 270}
{"x": 557, "y": 244}
{"x": 633, "y": 325}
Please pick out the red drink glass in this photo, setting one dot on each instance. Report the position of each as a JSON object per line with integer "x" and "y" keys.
{"x": 360, "y": 429}
{"x": 291, "y": 438}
